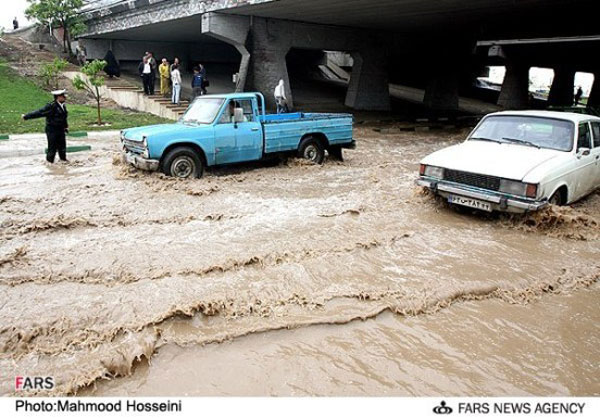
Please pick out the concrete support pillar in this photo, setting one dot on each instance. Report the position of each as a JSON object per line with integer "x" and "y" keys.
{"x": 442, "y": 91}
{"x": 270, "y": 42}
{"x": 233, "y": 30}
{"x": 369, "y": 83}
{"x": 515, "y": 88}
{"x": 446, "y": 66}
{"x": 594, "y": 99}
{"x": 561, "y": 91}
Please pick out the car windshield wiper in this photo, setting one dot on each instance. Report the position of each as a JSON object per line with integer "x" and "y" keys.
{"x": 522, "y": 141}
{"x": 486, "y": 139}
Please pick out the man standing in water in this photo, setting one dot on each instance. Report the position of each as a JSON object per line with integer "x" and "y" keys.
{"x": 56, "y": 125}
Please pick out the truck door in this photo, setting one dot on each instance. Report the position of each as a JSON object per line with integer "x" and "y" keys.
{"x": 225, "y": 138}
{"x": 248, "y": 131}
{"x": 238, "y": 133}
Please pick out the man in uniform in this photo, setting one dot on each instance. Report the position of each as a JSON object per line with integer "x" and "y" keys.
{"x": 56, "y": 125}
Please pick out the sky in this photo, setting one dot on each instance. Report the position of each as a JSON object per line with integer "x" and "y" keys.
{"x": 10, "y": 9}
{"x": 541, "y": 78}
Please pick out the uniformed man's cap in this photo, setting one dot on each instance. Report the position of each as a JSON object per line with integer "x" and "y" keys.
{"x": 62, "y": 92}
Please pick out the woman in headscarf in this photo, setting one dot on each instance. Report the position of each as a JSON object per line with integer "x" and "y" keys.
{"x": 112, "y": 68}
{"x": 165, "y": 75}
{"x": 280, "y": 98}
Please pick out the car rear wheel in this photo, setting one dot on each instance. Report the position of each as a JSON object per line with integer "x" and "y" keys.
{"x": 183, "y": 162}
{"x": 312, "y": 150}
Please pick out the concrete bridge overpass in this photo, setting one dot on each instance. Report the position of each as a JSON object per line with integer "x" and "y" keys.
{"x": 430, "y": 44}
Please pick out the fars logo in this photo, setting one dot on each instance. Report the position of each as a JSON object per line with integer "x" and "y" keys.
{"x": 34, "y": 383}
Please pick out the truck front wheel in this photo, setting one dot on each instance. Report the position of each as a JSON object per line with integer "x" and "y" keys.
{"x": 311, "y": 149}
{"x": 183, "y": 163}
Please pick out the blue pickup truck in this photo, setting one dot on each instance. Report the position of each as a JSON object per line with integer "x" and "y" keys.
{"x": 233, "y": 128}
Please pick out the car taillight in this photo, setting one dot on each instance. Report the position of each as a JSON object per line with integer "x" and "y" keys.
{"x": 531, "y": 190}
{"x": 422, "y": 169}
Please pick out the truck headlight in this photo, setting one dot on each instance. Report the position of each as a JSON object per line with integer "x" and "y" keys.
{"x": 145, "y": 153}
{"x": 431, "y": 171}
{"x": 518, "y": 188}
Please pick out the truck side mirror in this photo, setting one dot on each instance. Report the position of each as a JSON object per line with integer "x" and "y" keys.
{"x": 581, "y": 152}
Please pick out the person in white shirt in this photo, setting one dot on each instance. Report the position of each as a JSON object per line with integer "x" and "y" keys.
{"x": 145, "y": 70}
{"x": 280, "y": 98}
{"x": 176, "y": 80}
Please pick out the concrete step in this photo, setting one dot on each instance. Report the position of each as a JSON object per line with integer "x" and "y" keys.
{"x": 175, "y": 106}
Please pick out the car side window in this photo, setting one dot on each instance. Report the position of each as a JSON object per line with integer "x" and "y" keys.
{"x": 585, "y": 137}
{"x": 245, "y": 112}
{"x": 242, "y": 112}
{"x": 226, "y": 116}
{"x": 596, "y": 133}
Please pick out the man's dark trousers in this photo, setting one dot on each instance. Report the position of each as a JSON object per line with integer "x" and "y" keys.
{"x": 146, "y": 82}
{"x": 152, "y": 82}
{"x": 56, "y": 142}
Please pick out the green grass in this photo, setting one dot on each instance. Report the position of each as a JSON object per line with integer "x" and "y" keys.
{"x": 19, "y": 95}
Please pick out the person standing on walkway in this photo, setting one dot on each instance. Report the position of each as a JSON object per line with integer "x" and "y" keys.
{"x": 154, "y": 69}
{"x": 578, "y": 95}
{"x": 176, "y": 80}
{"x": 56, "y": 125}
{"x": 204, "y": 78}
{"x": 197, "y": 81}
{"x": 175, "y": 62}
{"x": 280, "y": 98}
{"x": 165, "y": 75}
{"x": 145, "y": 71}
{"x": 15, "y": 23}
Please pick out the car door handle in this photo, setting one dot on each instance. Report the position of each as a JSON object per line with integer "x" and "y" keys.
{"x": 254, "y": 129}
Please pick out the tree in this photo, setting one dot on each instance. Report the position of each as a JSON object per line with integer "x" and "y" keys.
{"x": 92, "y": 82}
{"x": 59, "y": 12}
{"x": 50, "y": 72}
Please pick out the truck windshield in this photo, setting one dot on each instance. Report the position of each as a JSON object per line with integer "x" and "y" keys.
{"x": 202, "y": 110}
{"x": 530, "y": 131}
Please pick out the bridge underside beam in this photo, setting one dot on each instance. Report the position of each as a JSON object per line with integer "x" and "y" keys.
{"x": 233, "y": 30}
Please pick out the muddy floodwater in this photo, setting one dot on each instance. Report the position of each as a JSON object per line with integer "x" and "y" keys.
{"x": 288, "y": 279}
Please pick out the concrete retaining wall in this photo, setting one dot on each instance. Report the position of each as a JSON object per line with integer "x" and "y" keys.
{"x": 131, "y": 99}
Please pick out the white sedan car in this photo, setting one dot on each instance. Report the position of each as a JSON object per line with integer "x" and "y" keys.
{"x": 518, "y": 161}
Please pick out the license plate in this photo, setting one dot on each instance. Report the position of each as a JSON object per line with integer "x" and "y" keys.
{"x": 129, "y": 158}
{"x": 471, "y": 203}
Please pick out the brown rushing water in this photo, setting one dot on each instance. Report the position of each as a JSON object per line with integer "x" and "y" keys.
{"x": 250, "y": 281}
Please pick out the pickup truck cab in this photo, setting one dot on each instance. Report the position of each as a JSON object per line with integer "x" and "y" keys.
{"x": 233, "y": 128}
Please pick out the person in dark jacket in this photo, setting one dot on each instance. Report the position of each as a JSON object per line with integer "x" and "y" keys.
{"x": 56, "y": 125}
{"x": 204, "y": 78}
{"x": 197, "y": 82}
{"x": 154, "y": 66}
{"x": 145, "y": 70}
{"x": 112, "y": 68}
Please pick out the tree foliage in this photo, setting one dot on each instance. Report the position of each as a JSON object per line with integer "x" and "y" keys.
{"x": 92, "y": 82}
{"x": 55, "y": 13}
{"x": 50, "y": 72}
